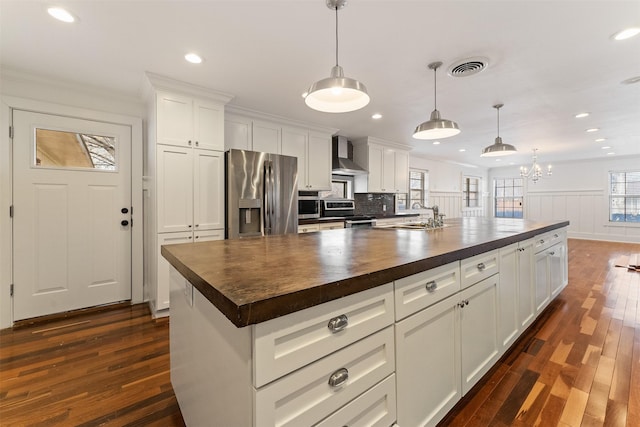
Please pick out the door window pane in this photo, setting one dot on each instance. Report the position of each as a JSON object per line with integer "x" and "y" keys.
{"x": 60, "y": 149}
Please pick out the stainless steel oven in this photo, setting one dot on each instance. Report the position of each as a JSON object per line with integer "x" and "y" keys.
{"x": 309, "y": 207}
{"x": 338, "y": 207}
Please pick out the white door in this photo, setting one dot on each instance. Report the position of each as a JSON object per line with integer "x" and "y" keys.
{"x": 72, "y": 213}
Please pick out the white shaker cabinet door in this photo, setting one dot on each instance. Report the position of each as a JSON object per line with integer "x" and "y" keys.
{"x": 478, "y": 330}
{"x": 401, "y": 171}
{"x": 266, "y": 137}
{"x": 208, "y": 125}
{"x": 428, "y": 364}
{"x": 160, "y": 298}
{"x": 174, "y": 189}
{"x": 175, "y": 119}
{"x": 508, "y": 319}
{"x": 208, "y": 190}
{"x": 237, "y": 132}
{"x": 388, "y": 170}
{"x": 526, "y": 288}
{"x": 319, "y": 161}
{"x": 294, "y": 144}
{"x": 375, "y": 168}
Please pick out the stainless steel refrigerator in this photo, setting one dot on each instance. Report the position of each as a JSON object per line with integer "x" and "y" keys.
{"x": 262, "y": 194}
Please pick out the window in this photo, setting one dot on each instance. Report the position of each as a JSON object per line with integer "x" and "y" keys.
{"x": 471, "y": 192}
{"x": 70, "y": 150}
{"x": 508, "y": 197}
{"x": 418, "y": 191}
{"x": 624, "y": 196}
{"x": 341, "y": 187}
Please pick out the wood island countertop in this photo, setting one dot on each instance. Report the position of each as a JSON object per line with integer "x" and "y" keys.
{"x": 257, "y": 279}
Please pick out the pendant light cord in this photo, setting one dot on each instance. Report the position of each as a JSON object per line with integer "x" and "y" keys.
{"x": 435, "y": 90}
{"x": 498, "y": 122}
{"x": 336, "y": 35}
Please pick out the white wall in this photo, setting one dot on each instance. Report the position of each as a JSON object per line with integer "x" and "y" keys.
{"x": 577, "y": 191}
{"x": 42, "y": 94}
{"x": 445, "y": 186}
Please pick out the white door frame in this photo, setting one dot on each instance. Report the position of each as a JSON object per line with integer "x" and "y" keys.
{"x": 8, "y": 103}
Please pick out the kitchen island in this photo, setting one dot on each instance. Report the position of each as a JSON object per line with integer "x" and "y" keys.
{"x": 307, "y": 329}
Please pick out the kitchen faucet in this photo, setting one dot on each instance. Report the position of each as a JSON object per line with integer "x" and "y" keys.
{"x": 437, "y": 220}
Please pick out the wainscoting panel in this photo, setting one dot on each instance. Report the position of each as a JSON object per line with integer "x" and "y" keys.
{"x": 586, "y": 210}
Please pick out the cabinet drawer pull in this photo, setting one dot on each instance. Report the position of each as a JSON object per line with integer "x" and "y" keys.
{"x": 339, "y": 377}
{"x": 432, "y": 286}
{"x": 541, "y": 241}
{"x": 552, "y": 253}
{"x": 197, "y": 144}
{"x": 189, "y": 142}
{"x": 481, "y": 266}
{"x": 338, "y": 323}
{"x": 555, "y": 235}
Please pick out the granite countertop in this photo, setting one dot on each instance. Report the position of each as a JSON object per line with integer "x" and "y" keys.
{"x": 257, "y": 279}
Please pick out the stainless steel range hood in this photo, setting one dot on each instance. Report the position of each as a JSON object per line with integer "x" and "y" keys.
{"x": 342, "y": 162}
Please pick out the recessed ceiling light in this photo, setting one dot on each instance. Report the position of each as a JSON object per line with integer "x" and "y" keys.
{"x": 627, "y": 33}
{"x": 592, "y": 130}
{"x": 436, "y": 142}
{"x": 498, "y": 160}
{"x": 376, "y": 116}
{"x": 611, "y": 153}
{"x": 462, "y": 150}
{"x": 61, "y": 14}
{"x": 601, "y": 139}
{"x": 606, "y": 147}
{"x": 193, "y": 58}
{"x": 582, "y": 115}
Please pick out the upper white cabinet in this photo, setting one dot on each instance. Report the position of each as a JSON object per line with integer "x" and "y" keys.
{"x": 388, "y": 167}
{"x": 312, "y": 148}
{"x": 189, "y": 122}
{"x": 266, "y": 137}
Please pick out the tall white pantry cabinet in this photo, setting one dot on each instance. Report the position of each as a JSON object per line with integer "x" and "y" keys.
{"x": 184, "y": 175}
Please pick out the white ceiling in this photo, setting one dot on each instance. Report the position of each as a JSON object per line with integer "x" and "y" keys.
{"x": 549, "y": 60}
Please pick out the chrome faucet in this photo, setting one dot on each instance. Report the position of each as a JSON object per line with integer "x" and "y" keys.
{"x": 438, "y": 218}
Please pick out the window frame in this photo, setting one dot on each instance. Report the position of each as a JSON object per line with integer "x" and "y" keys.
{"x": 513, "y": 197}
{"x": 611, "y": 196}
{"x": 466, "y": 194}
{"x": 423, "y": 189}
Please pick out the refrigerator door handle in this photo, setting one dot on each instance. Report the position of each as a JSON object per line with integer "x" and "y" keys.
{"x": 272, "y": 198}
{"x": 266, "y": 218}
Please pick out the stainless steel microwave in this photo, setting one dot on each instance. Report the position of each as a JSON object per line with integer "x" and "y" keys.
{"x": 309, "y": 207}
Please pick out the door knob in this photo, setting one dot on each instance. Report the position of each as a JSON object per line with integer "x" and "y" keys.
{"x": 124, "y": 223}
{"x": 124, "y": 210}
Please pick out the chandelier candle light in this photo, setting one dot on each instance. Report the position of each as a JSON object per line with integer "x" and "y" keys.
{"x": 436, "y": 127}
{"x": 535, "y": 171}
{"x": 336, "y": 94}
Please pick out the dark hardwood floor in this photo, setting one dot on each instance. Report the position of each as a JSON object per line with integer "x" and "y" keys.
{"x": 578, "y": 365}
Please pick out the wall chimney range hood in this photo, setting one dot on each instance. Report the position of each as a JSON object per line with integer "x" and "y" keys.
{"x": 342, "y": 158}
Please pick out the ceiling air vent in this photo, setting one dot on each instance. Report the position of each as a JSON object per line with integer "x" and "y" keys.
{"x": 468, "y": 67}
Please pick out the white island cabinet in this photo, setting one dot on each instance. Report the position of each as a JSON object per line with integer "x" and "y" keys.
{"x": 405, "y": 352}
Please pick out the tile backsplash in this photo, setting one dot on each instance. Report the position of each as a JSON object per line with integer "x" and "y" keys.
{"x": 375, "y": 204}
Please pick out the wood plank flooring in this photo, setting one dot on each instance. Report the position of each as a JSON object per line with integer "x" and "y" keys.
{"x": 579, "y": 365}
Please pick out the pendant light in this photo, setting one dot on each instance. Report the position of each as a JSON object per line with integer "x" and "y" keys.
{"x": 498, "y": 148}
{"x": 337, "y": 94}
{"x": 435, "y": 127}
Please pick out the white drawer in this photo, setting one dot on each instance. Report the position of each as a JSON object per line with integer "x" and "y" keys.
{"x": 284, "y": 344}
{"x": 479, "y": 267}
{"x": 305, "y": 397}
{"x": 549, "y": 239}
{"x": 375, "y": 408}
{"x": 421, "y": 290}
{"x": 308, "y": 228}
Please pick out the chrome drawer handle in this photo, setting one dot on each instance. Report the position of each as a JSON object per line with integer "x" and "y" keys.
{"x": 481, "y": 266}
{"x": 432, "y": 286}
{"x": 552, "y": 253}
{"x": 339, "y": 377}
{"x": 555, "y": 235}
{"x": 541, "y": 241}
{"x": 338, "y": 323}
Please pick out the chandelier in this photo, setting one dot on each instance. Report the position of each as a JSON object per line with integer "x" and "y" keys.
{"x": 535, "y": 171}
